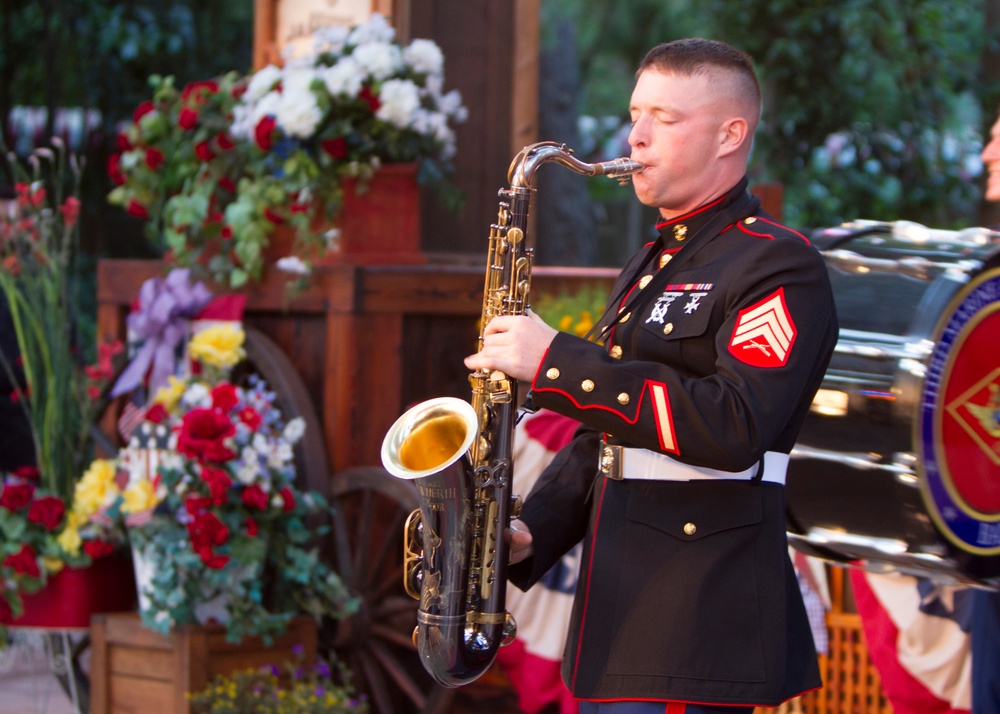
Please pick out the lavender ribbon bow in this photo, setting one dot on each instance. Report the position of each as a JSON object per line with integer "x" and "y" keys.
{"x": 165, "y": 306}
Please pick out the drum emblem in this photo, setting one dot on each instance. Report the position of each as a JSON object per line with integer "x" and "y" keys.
{"x": 958, "y": 424}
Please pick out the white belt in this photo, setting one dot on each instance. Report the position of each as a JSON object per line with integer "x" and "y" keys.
{"x": 621, "y": 462}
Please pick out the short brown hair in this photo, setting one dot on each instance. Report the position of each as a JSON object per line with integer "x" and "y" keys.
{"x": 696, "y": 55}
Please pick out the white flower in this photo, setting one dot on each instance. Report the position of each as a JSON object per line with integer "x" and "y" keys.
{"x": 330, "y": 38}
{"x": 266, "y": 106}
{"x": 262, "y": 82}
{"x": 197, "y": 395}
{"x": 377, "y": 29}
{"x": 451, "y": 105}
{"x": 424, "y": 56}
{"x": 247, "y": 473}
{"x": 280, "y": 455}
{"x": 379, "y": 59}
{"x": 298, "y": 113}
{"x": 400, "y": 100}
{"x": 293, "y": 264}
{"x": 343, "y": 78}
{"x": 294, "y": 430}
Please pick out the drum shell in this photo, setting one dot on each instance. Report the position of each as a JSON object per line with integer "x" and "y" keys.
{"x": 856, "y": 485}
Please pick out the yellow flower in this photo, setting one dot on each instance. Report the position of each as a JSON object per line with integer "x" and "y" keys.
{"x": 171, "y": 394}
{"x": 96, "y": 489}
{"x": 219, "y": 345}
{"x": 139, "y": 496}
{"x": 53, "y": 565}
{"x": 69, "y": 540}
{"x": 565, "y": 323}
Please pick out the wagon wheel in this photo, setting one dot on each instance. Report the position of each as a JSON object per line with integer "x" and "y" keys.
{"x": 370, "y": 507}
{"x": 376, "y": 642}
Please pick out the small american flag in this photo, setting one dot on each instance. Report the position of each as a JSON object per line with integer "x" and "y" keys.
{"x": 132, "y": 416}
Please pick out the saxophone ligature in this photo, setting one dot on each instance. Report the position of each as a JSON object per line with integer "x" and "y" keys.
{"x": 460, "y": 457}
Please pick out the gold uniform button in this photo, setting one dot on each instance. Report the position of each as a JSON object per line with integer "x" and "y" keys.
{"x": 552, "y": 373}
{"x": 750, "y": 220}
{"x": 680, "y": 231}
{"x": 616, "y": 351}
{"x": 625, "y": 317}
{"x": 587, "y": 385}
{"x": 690, "y": 528}
{"x": 665, "y": 258}
{"x": 668, "y": 328}
{"x": 623, "y": 399}
{"x": 645, "y": 281}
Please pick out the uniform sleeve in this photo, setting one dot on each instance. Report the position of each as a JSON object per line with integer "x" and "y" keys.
{"x": 556, "y": 509}
{"x": 764, "y": 352}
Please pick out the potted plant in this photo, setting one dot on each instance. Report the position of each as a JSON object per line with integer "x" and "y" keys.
{"x": 217, "y": 165}
{"x": 218, "y": 526}
{"x": 300, "y": 687}
{"x": 46, "y": 522}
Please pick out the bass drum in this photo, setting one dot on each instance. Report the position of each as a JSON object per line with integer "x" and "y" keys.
{"x": 898, "y": 464}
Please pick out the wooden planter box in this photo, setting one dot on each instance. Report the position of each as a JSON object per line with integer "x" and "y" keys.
{"x": 135, "y": 669}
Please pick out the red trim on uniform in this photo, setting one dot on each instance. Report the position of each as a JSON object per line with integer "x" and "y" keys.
{"x": 749, "y": 707}
{"x": 743, "y": 227}
{"x": 660, "y": 401}
{"x": 586, "y": 591}
{"x": 620, "y": 414}
{"x": 686, "y": 216}
{"x": 676, "y": 708}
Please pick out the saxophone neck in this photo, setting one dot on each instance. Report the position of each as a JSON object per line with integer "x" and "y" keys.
{"x": 522, "y": 169}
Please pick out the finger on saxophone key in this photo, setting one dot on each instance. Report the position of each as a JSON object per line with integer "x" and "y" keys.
{"x": 520, "y": 540}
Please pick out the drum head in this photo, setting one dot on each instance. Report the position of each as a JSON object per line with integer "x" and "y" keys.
{"x": 958, "y": 425}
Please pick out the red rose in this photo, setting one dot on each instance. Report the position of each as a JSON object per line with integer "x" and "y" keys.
{"x": 115, "y": 170}
{"x": 255, "y": 497}
{"x": 224, "y": 396}
{"x": 187, "y": 119}
{"x": 98, "y": 548}
{"x": 137, "y": 209}
{"x": 202, "y": 434}
{"x": 23, "y": 561}
{"x": 16, "y": 495}
{"x": 198, "y": 92}
{"x": 264, "y": 131}
{"x": 70, "y": 211}
{"x": 204, "y": 152}
{"x": 275, "y": 218}
{"x": 251, "y": 417}
{"x": 157, "y": 414}
{"x": 142, "y": 110}
{"x": 48, "y": 511}
{"x": 212, "y": 559}
{"x": 251, "y": 526}
{"x": 289, "y": 499}
{"x": 197, "y": 504}
{"x": 27, "y": 473}
{"x": 368, "y": 95}
{"x": 154, "y": 158}
{"x": 206, "y": 530}
{"x": 224, "y": 141}
{"x": 218, "y": 482}
{"x": 227, "y": 183}
{"x": 123, "y": 142}
{"x": 226, "y": 233}
{"x": 336, "y": 147}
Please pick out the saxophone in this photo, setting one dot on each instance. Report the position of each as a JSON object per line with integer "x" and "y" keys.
{"x": 460, "y": 457}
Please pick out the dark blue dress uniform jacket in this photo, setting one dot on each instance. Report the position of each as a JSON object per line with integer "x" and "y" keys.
{"x": 715, "y": 362}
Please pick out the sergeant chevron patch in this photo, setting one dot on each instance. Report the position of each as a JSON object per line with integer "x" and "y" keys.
{"x": 764, "y": 333}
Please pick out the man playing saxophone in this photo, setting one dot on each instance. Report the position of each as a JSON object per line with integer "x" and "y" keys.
{"x": 715, "y": 339}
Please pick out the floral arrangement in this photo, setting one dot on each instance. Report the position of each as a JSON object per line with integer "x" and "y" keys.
{"x": 322, "y": 688}
{"x": 216, "y": 166}
{"x": 44, "y": 525}
{"x": 217, "y": 525}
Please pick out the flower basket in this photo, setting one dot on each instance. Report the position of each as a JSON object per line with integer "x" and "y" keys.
{"x": 73, "y": 595}
{"x": 378, "y": 223}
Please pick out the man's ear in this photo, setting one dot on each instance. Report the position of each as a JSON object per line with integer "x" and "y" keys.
{"x": 735, "y": 133}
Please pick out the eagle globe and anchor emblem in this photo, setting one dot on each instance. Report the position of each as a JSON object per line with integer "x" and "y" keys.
{"x": 958, "y": 424}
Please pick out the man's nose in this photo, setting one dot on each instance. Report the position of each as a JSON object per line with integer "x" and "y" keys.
{"x": 639, "y": 135}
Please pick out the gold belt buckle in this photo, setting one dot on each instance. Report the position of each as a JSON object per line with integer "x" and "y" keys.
{"x": 611, "y": 461}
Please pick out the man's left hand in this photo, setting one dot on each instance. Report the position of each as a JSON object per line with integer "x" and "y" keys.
{"x": 513, "y": 344}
